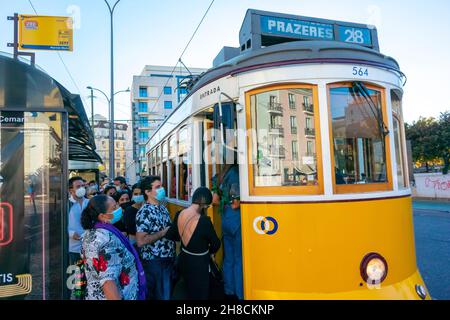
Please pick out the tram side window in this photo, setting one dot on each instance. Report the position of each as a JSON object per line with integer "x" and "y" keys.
{"x": 284, "y": 152}
{"x": 184, "y": 146}
{"x": 164, "y": 166}
{"x": 172, "y": 169}
{"x": 158, "y": 161}
{"x": 399, "y": 131}
{"x": 358, "y": 141}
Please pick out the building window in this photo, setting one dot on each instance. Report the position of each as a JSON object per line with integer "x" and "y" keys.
{"x": 143, "y": 121}
{"x": 292, "y": 101}
{"x": 143, "y": 92}
{"x": 167, "y": 90}
{"x": 142, "y": 151}
{"x": 309, "y": 148}
{"x": 183, "y": 90}
{"x": 294, "y": 150}
{"x": 294, "y": 125}
{"x": 143, "y": 136}
{"x": 167, "y": 104}
{"x": 143, "y": 106}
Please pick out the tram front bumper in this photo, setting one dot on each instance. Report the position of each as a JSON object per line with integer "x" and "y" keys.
{"x": 403, "y": 290}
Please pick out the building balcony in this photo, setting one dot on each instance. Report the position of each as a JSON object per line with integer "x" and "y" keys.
{"x": 277, "y": 151}
{"x": 308, "y": 108}
{"x": 275, "y": 107}
{"x": 276, "y": 129}
{"x": 310, "y": 132}
{"x": 292, "y": 106}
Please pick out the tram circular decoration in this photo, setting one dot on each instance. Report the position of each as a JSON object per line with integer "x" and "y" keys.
{"x": 265, "y": 225}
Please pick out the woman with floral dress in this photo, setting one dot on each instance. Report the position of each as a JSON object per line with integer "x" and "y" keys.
{"x": 112, "y": 266}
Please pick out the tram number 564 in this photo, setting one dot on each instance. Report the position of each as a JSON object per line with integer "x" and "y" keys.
{"x": 357, "y": 71}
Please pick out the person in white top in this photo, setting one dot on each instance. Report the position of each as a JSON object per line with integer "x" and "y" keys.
{"x": 80, "y": 202}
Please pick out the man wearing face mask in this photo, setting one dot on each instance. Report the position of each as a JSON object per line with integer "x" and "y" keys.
{"x": 79, "y": 203}
{"x": 121, "y": 184}
{"x": 158, "y": 253}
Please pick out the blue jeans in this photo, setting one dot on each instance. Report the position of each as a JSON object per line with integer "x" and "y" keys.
{"x": 232, "y": 246}
{"x": 159, "y": 274}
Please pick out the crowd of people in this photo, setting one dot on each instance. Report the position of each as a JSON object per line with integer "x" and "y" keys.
{"x": 126, "y": 241}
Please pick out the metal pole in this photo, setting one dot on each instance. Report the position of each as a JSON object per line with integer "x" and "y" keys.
{"x": 16, "y": 36}
{"x": 92, "y": 108}
{"x": 111, "y": 106}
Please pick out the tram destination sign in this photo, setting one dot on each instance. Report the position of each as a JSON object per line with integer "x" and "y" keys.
{"x": 312, "y": 30}
{"x": 263, "y": 28}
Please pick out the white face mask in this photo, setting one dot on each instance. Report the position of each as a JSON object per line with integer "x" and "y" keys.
{"x": 81, "y": 192}
{"x": 71, "y": 199}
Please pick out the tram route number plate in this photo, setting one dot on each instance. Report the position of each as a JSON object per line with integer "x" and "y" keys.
{"x": 361, "y": 72}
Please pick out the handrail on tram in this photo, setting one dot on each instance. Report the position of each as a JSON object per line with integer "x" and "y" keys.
{"x": 222, "y": 137}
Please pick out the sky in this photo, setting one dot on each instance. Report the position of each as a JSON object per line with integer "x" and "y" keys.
{"x": 151, "y": 32}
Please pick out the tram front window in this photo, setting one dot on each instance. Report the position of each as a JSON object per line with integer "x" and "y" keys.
{"x": 358, "y": 141}
{"x": 284, "y": 151}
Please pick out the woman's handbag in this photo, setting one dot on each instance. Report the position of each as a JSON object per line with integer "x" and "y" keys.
{"x": 216, "y": 285}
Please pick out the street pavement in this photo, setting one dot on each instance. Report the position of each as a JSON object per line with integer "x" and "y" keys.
{"x": 432, "y": 234}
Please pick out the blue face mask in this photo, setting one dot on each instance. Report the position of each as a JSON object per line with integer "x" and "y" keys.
{"x": 160, "y": 194}
{"x": 138, "y": 199}
{"x": 117, "y": 216}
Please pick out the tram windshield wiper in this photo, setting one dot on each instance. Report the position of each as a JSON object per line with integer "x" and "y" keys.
{"x": 364, "y": 92}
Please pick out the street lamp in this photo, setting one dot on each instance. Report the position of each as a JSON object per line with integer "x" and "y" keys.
{"x": 111, "y": 109}
{"x": 111, "y": 126}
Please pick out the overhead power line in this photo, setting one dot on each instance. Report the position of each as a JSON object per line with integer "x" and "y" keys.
{"x": 182, "y": 53}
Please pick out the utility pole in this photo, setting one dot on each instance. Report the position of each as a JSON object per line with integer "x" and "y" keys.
{"x": 111, "y": 111}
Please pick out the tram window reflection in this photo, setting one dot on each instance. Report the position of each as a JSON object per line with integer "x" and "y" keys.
{"x": 358, "y": 143}
{"x": 172, "y": 179}
{"x": 164, "y": 166}
{"x": 184, "y": 147}
{"x": 284, "y": 153}
{"x": 398, "y": 139}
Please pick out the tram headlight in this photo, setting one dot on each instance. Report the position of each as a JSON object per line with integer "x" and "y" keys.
{"x": 374, "y": 268}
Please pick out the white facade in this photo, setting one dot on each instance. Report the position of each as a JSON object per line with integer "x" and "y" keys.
{"x": 156, "y": 92}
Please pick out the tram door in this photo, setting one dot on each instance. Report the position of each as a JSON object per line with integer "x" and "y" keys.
{"x": 218, "y": 150}
{"x": 31, "y": 213}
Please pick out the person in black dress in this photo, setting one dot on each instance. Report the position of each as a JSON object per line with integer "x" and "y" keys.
{"x": 198, "y": 242}
{"x": 129, "y": 216}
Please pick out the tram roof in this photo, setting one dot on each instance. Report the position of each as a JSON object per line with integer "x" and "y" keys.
{"x": 29, "y": 88}
{"x": 297, "y": 52}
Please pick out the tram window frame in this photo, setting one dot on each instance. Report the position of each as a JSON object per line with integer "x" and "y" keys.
{"x": 181, "y": 164}
{"x": 397, "y": 115}
{"x": 317, "y": 189}
{"x": 158, "y": 161}
{"x": 164, "y": 159}
{"x": 369, "y": 187}
{"x": 172, "y": 166}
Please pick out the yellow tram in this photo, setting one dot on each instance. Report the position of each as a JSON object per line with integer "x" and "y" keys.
{"x": 312, "y": 113}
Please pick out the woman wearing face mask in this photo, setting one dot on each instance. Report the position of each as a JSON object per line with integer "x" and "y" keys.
{"x": 129, "y": 216}
{"x": 198, "y": 241}
{"x": 112, "y": 266}
{"x": 122, "y": 199}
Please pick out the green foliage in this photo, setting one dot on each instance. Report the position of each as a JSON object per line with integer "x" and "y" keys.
{"x": 430, "y": 140}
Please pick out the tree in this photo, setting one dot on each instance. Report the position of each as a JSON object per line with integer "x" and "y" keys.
{"x": 424, "y": 140}
{"x": 430, "y": 140}
{"x": 444, "y": 140}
